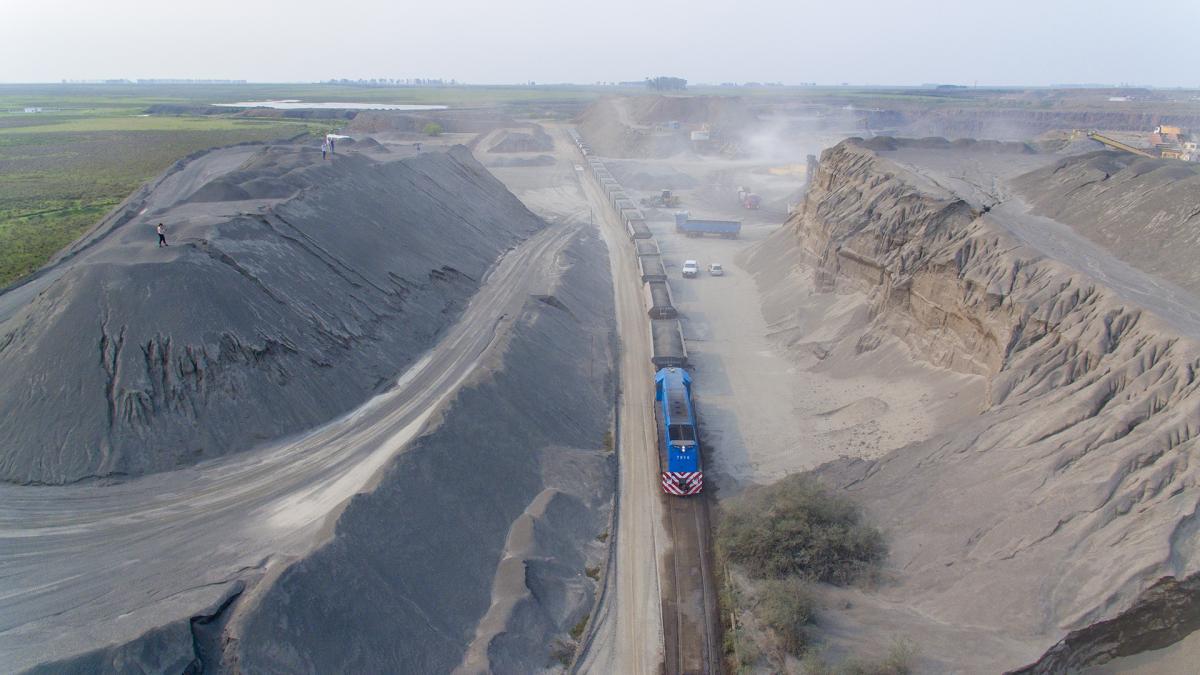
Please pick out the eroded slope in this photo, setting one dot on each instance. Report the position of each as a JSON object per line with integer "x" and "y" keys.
{"x": 1073, "y": 490}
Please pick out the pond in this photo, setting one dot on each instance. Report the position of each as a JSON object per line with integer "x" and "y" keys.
{"x": 295, "y": 104}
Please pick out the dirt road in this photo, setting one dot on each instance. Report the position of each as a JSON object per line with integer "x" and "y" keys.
{"x": 87, "y": 565}
{"x": 628, "y": 633}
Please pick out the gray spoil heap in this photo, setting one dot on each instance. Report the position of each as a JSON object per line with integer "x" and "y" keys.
{"x": 501, "y": 508}
{"x": 514, "y": 141}
{"x": 293, "y": 288}
{"x": 469, "y": 551}
{"x": 1144, "y": 211}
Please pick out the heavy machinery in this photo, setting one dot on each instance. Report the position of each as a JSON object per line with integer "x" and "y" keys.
{"x": 1117, "y": 145}
{"x": 727, "y": 229}
{"x": 748, "y": 199}
{"x": 664, "y": 200}
{"x": 679, "y": 452}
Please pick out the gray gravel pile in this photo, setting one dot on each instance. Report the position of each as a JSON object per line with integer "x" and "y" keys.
{"x": 416, "y": 571}
{"x": 293, "y": 288}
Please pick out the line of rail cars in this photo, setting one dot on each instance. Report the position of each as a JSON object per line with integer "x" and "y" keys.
{"x": 679, "y": 455}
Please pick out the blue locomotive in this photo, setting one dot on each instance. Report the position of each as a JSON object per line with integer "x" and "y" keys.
{"x": 679, "y": 452}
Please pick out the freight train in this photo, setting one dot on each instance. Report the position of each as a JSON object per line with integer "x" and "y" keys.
{"x": 679, "y": 451}
{"x": 679, "y": 443}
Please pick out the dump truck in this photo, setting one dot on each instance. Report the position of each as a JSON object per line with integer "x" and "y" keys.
{"x": 727, "y": 229}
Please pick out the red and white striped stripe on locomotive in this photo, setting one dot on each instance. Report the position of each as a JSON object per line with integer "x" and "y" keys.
{"x": 679, "y": 445}
{"x": 682, "y": 483}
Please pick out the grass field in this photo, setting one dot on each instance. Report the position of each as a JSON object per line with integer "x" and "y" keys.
{"x": 136, "y": 96}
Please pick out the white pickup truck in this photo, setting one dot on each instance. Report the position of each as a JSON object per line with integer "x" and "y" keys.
{"x": 690, "y": 269}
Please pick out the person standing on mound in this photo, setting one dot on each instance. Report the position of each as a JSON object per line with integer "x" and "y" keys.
{"x": 162, "y": 235}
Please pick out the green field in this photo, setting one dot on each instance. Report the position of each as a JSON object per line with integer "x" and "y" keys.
{"x": 136, "y": 97}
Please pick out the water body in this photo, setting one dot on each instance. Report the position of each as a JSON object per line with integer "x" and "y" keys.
{"x": 295, "y": 104}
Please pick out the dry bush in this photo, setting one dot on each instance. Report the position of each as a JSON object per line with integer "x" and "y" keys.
{"x": 797, "y": 526}
{"x": 788, "y": 607}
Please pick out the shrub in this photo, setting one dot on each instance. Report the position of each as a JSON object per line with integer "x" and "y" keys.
{"x": 787, "y": 607}
{"x": 813, "y": 664}
{"x": 579, "y": 627}
{"x": 562, "y": 652}
{"x": 899, "y": 661}
{"x": 432, "y": 129}
{"x": 742, "y": 650}
{"x": 797, "y": 526}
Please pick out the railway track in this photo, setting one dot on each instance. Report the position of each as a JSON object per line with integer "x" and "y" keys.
{"x": 689, "y": 594}
{"x": 687, "y": 599}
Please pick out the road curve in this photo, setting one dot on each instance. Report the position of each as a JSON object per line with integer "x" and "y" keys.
{"x": 84, "y": 566}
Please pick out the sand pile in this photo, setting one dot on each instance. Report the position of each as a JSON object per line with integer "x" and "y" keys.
{"x": 537, "y": 160}
{"x": 612, "y": 132}
{"x": 1071, "y": 498}
{"x": 651, "y": 177}
{"x": 721, "y": 111}
{"x": 515, "y": 141}
{"x": 292, "y": 289}
{"x": 640, "y": 127}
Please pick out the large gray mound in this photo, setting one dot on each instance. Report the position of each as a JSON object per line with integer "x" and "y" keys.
{"x": 472, "y": 549}
{"x": 265, "y": 316}
{"x": 408, "y": 577}
{"x": 515, "y": 141}
{"x": 1145, "y": 211}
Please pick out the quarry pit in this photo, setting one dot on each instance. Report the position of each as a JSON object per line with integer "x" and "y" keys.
{"x": 395, "y": 411}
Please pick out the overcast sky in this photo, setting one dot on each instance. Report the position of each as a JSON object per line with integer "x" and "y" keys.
{"x": 1035, "y": 42}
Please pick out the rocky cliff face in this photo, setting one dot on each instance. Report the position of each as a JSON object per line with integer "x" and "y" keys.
{"x": 1074, "y": 489}
{"x": 293, "y": 288}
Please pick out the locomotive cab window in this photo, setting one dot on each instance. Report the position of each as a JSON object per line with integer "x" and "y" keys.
{"x": 682, "y": 432}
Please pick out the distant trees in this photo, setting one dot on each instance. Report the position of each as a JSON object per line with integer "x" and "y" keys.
{"x": 432, "y": 129}
{"x": 663, "y": 83}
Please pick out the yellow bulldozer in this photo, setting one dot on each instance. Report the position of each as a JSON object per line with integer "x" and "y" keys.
{"x": 664, "y": 200}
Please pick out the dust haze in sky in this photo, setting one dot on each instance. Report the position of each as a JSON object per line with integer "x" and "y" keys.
{"x": 1035, "y": 42}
